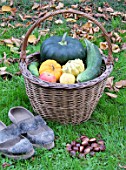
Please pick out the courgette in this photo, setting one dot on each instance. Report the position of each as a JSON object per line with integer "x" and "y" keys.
{"x": 94, "y": 62}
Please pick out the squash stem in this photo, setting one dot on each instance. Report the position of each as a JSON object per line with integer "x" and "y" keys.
{"x": 63, "y": 41}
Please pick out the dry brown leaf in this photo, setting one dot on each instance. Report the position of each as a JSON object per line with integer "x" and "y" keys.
{"x": 120, "y": 84}
{"x": 8, "y": 41}
{"x": 71, "y": 20}
{"x": 111, "y": 95}
{"x": 11, "y": 2}
{"x": 100, "y": 9}
{"x": 109, "y": 9}
{"x": 122, "y": 31}
{"x": 74, "y": 6}
{"x": 109, "y": 82}
{"x": 124, "y": 166}
{"x": 19, "y": 25}
{"x": 118, "y": 38}
{"x": 86, "y": 26}
{"x": 35, "y": 6}
{"x": 59, "y": 21}
{"x": 32, "y": 39}
{"x": 96, "y": 29}
{"x": 103, "y": 45}
{"x": 6, "y": 8}
{"x": 15, "y": 50}
{"x": 105, "y": 16}
{"x": 16, "y": 41}
{"x": 123, "y": 47}
{"x": 88, "y": 9}
{"x": 4, "y": 74}
{"x": 60, "y": 5}
{"x": 115, "y": 48}
{"x": 22, "y": 17}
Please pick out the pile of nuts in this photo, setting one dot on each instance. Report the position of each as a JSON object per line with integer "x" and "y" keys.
{"x": 84, "y": 146}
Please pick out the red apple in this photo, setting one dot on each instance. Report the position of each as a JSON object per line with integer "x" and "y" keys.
{"x": 48, "y": 77}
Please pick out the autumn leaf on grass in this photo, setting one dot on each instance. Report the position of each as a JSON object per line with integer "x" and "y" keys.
{"x": 59, "y": 21}
{"x": 71, "y": 20}
{"x": 115, "y": 48}
{"x": 32, "y": 39}
{"x": 6, "y": 8}
{"x": 109, "y": 82}
{"x": 111, "y": 95}
{"x": 103, "y": 45}
{"x": 35, "y": 6}
{"x": 120, "y": 84}
{"x": 123, "y": 47}
{"x": 4, "y": 74}
{"x": 60, "y": 5}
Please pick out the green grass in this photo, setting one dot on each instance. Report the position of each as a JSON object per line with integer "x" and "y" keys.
{"x": 108, "y": 119}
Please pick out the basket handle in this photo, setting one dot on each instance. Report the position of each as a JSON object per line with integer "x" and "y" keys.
{"x": 49, "y": 14}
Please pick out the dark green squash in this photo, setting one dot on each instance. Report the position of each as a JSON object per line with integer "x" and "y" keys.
{"x": 62, "y": 49}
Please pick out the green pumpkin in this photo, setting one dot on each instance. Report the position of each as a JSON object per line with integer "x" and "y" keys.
{"x": 62, "y": 49}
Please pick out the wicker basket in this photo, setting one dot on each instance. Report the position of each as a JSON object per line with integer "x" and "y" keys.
{"x": 64, "y": 103}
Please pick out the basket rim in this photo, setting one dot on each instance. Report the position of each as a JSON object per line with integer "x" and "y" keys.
{"x": 35, "y": 80}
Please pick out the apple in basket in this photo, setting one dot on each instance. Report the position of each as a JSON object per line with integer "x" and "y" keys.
{"x": 45, "y": 76}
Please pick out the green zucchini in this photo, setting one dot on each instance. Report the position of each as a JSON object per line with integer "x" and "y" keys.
{"x": 94, "y": 62}
{"x": 33, "y": 68}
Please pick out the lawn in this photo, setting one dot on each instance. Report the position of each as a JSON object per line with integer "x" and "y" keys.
{"x": 109, "y": 117}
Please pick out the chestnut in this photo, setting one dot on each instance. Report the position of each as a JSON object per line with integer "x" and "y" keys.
{"x": 92, "y": 153}
{"x": 85, "y": 143}
{"x": 78, "y": 144}
{"x": 75, "y": 148}
{"x": 85, "y": 139}
{"x": 72, "y": 153}
{"x": 68, "y": 147}
{"x": 96, "y": 149}
{"x": 73, "y": 143}
{"x": 94, "y": 145}
{"x": 87, "y": 150}
{"x": 101, "y": 142}
{"x": 81, "y": 148}
{"x": 92, "y": 140}
{"x": 102, "y": 147}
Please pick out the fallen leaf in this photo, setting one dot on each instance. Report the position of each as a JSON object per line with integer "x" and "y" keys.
{"x": 109, "y": 82}
{"x": 122, "y": 31}
{"x": 35, "y": 6}
{"x": 105, "y": 16}
{"x": 123, "y": 47}
{"x": 124, "y": 166}
{"x": 15, "y": 50}
{"x": 70, "y": 20}
{"x": 5, "y": 164}
{"x": 6, "y": 8}
{"x": 109, "y": 9}
{"x": 60, "y": 5}
{"x": 32, "y": 38}
{"x": 4, "y": 74}
{"x": 115, "y": 48}
{"x": 100, "y": 9}
{"x": 74, "y": 6}
{"x": 103, "y": 45}
{"x": 86, "y": 26}
{"x": 22, "y": 17}
{"x": 59, "y": 21}
{"x": 118, "y": 38}
{"x": 16, "y": 41}
{"x": 120, "y": 84}
{"x": 96, "y": 29}
{"x": 111, "y": 95}
{"x": 11, "y": 2}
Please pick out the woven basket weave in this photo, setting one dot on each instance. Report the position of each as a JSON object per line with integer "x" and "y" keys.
{"x": 64, "y": 103}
